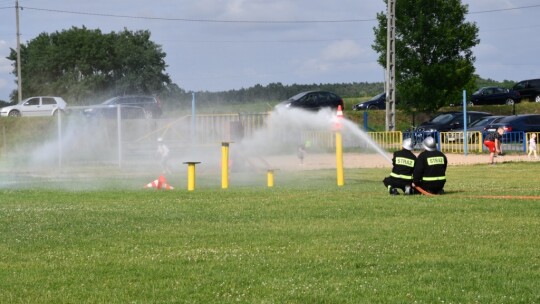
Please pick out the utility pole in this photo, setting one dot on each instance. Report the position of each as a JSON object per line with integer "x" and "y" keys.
{"x": 391, "y": 66}
{"x": 19, "y": 75}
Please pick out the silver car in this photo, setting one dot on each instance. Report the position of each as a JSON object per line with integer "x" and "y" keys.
{"x": 35, "y": 106}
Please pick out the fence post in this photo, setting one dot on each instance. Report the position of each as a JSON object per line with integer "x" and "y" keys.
{"x": 524, "y": 142}
{"x": 465, "y": 138}
{"x": 366, "y": 120}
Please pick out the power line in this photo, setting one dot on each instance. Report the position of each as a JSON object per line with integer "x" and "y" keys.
{"x": 271, "y": 41}
{"x": 199, "y": 20}
{"x": 505, "y": 9}
{"x": 243, "y": 21}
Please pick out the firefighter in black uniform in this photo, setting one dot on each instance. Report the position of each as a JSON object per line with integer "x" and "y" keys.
{"x": 430, "y": 169}
{"x": 402, "y": 170}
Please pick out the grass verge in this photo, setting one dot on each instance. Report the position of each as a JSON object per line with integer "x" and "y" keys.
{"x": 304, "y": 241}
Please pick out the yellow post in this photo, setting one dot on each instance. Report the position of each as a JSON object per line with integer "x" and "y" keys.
{"x": 191, "y": 175}
{"x": 339, "y": 159}
{"x": 339, "y": 146}
{"x": 224, "y": 165}
{"x": 270, "y": 178}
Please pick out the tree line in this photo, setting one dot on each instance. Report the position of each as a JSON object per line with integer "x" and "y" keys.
{"x": 278, "y": 92}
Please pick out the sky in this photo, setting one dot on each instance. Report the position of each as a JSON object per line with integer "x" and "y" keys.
{"x": 220, "y": 45}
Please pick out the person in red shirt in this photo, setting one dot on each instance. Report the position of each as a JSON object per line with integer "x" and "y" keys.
{"x": 493, "y": 143}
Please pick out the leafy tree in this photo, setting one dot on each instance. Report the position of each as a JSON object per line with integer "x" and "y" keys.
{"x": 79, "y": 64}
{"x": 434, "y": 60}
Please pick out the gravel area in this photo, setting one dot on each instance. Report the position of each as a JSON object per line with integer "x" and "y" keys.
{"x": 358, "y": 160}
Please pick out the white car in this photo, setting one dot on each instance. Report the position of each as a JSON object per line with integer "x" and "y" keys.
{"x": 35, "y": 106}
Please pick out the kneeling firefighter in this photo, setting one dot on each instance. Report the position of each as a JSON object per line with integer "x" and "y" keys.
{"x": 430, "y": 169}
{"x": 403, "y": 163}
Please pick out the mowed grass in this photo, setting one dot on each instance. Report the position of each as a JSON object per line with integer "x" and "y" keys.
{"x": 304, "y": 241}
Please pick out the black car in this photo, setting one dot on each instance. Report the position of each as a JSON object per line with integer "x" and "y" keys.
{"x": 529, "y": 89}
{"x": 449, "y": 121}
{"x": 444, "y": 122}
{"x": 480, "y": 124}
{"x": 376, "y": 103}
{"x": 477, "y": 126}
{"x": 494, "y": 95}
{"x": 517, "y": 123}
{"x": 132, "y": 106}
{"x": 313, "y": 101}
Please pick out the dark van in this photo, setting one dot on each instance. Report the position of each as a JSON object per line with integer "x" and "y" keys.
{"x": 528, "y": 89}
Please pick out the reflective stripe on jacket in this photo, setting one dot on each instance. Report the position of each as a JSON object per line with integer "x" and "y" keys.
{"x": 409, "y": 177}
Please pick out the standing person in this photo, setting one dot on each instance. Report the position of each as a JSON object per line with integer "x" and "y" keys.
{"x": 163, "y": 153}
{"x": 301, "y": 153}
{"x": 532, "y": 146}
{"x": 430, "y": 169}
{"x": 402, "y": 170}
{"x": 493, "y": 143}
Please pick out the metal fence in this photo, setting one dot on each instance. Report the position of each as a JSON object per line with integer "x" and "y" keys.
{"x": 128, "y": 137}
{"x": 453, "y": 142}
{"x": 387, "y": 140}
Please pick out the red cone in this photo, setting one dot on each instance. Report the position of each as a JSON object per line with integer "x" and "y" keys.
{"x": 160, "y": 183}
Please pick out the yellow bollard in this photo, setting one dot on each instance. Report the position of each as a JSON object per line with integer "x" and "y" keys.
{"x": 224, "y": 165}
{"x": 191, "y": 175}
{"x": 339, "y": 159}
{"x": 339, "y": 146}
{"x": 270, "y": 178}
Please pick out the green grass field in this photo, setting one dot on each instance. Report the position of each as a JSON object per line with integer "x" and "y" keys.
{"x": 303, "y": 241}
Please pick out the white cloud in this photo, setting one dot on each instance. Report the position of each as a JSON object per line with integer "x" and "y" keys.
{"x": 342, "y": 50}
{"x": 334, "y": 55}
{"x": 6, "y": 83}
{"x": 485, "y": 50}
{"x": 5, "y": 65}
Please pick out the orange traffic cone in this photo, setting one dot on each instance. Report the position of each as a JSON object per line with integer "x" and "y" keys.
{"x": 337, "y": 119}
{"x": 160, "y": 183}
{"x": 153, "y": 184}
{"x": 339, "y": 112}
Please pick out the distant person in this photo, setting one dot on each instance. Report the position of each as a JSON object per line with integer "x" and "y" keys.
{"x": 532, "y": 146}
{"x": 301, "y": 153}
{"x": 403, "y": 162}
{"x": 163, "y": 153}
{"x": 493, "y": 143}
{"x": 430, "y": 168}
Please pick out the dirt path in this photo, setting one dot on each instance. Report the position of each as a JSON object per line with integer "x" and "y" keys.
{"x": 358, "y": 160}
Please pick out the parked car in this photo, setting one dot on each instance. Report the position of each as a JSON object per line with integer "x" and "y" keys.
{"x": 449, "y": 121}
{"x": 444, "y": 122}
{"x": 376, "y": 103}
{"x": 517, "y": 123}
{"x": 477, "y": 126}
{"x": 529, "y": 89}
{"x": 132, "y": 106}
{"x": 313, "y": 101}
{"x": 35, "y": 106}
{"x": 494, "y": 95}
